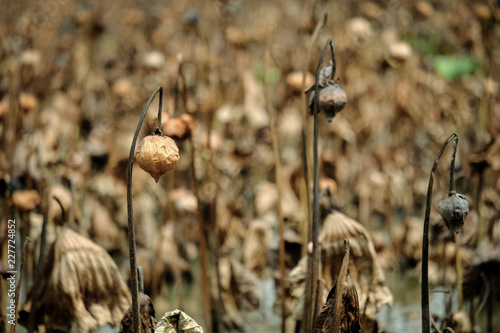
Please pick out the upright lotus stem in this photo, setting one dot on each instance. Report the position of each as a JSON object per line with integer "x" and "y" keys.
{"x": 131, "y": 231}
{"x": 307, "y": 320}
{"x": 458, "y": 262}
{"x": 425, "y": 242}
{"x": 315, "y": 210}
{"x": 458, "y": 259}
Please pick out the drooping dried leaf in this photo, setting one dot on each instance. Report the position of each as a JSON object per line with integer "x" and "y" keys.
{"x": 364, "y": 268}
{"x": 147, "y": 316}
{"x": 349, "y": 311}
{"x": 81, "y": 288}
{"x": 177, "y": 321}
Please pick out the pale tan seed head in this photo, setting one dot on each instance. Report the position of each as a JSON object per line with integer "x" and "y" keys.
{"x": 157, "y": 155}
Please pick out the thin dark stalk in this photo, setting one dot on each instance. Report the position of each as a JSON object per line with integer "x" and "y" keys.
{"x": 315, "y": 210}
{"x": 425, "y": 243}
{"x": 337, "y": 303}
{"x": 452, "y": 164}
{"x": 458, "y": 263}
{"x": 307, "y": 320}
{"x": 18, "y": 287}
{"x": 130, "y": 212}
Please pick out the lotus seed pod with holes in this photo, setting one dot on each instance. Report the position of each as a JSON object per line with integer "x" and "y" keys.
{"x": 157, "y": 155}
{"x": 454, "y": 210}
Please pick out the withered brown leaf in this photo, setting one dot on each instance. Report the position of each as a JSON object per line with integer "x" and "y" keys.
{"x": 81, "y": 288}
{"x": 147, "y": 316}
{"x": 349, "y": 311}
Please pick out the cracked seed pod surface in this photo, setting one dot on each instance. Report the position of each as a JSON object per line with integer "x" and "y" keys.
{"x": 454, "y": 210}
{"x": 157, "y": 155}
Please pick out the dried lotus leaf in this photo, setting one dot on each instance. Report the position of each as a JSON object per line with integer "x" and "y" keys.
{"x": 349, "y": 311}
{"x": 364, "y": 267}
{"x": 177, "y": 321}
{"x": 147, "y": 316}
{"x": 82, "y": 288}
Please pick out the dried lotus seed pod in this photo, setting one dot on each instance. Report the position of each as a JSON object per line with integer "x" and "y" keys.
{"x": 332, "y": 99}
{"x": 454, "y": 210}
{"x": 157, "y": 155}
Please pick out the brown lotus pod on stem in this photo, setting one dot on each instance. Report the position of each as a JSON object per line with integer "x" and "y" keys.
{"x": 332, "y": 99}
{"x": 454, "y": 210}
{"x": 157, "y": 155}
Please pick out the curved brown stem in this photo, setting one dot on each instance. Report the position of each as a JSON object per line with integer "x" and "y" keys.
{"x": 131, "y": 231}
{"x": 425, "y": 242}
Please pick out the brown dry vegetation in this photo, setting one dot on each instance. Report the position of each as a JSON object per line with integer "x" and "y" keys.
{"x": 74, "y": 77}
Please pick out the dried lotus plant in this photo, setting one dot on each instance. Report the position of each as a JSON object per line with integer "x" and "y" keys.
{"x": 156, "y": 155}
{"x": 365, "y": 270}
{"x": 81, "y": 288}
{"x": 454, "y": 209}
{"x": 330, "y": 99}
{"x": 340, "y": 313}
{"x": 364, "y": 267}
